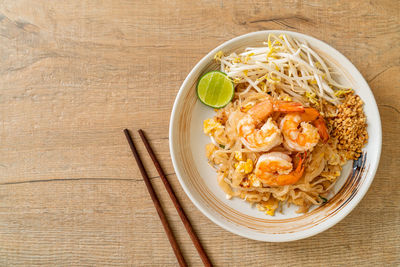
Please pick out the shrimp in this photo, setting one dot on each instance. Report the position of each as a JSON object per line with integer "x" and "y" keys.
{"x": 300, "y": 135}
{"x": 269, "y": 135}
{"x": 276, "y": 169}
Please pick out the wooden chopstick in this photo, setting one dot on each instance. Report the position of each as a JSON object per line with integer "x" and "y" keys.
{"x": 181, "y": 212}
{"x": 156, "y": 202}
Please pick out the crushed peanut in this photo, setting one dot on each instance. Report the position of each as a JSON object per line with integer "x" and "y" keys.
{"x": 349, "y": 126}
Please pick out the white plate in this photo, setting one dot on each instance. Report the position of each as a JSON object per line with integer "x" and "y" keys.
{"x": 198, "y": 179}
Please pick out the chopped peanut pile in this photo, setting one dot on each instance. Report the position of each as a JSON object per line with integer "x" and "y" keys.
{"x": 349, "y": 126}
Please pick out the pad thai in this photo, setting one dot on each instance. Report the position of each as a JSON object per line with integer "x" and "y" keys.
{"x": 284, "y": 137}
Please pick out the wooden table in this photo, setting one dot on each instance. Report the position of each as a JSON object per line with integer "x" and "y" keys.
{"x": 75, "y": 73}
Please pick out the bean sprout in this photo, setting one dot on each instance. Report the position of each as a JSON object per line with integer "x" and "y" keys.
{"x": 286, "y": 64}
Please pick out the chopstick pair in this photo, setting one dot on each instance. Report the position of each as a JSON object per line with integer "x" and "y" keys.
{"x": 161, "y": 214}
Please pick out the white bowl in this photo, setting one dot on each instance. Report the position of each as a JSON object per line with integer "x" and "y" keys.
{"x": 187, "y": 145}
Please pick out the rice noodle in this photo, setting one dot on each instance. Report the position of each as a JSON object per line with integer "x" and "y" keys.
{"x": 284, "y": 69}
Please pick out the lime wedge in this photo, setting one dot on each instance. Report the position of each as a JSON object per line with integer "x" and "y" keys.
{"x": 215, "y": 89}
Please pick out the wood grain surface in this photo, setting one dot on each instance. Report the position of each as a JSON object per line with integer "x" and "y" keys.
{"x": 74, "y": 74}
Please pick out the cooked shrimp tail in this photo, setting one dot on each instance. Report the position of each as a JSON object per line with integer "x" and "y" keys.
{"x": 313, "y": 116}
{"x": 276, "y": 169}
{"x": 302, "y": 130}
{"x": 288, "y": 106}
{"x": 319, "y": 123}
{"x": 294, "y": 176}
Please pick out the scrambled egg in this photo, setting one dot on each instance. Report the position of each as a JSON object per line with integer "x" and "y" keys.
{"x": 210, "y": 125}
{"x": 270, "y": 211}
{"x": 239, "y": 155}
{"x": 269, "y": 206}
{"x": 245, "y": 166}
{"x": 254, "y": 181}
